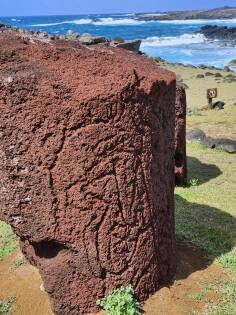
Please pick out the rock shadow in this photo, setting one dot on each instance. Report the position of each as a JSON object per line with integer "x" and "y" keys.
{"x": 203, "y": 234}
{"x": 203, "y": 172}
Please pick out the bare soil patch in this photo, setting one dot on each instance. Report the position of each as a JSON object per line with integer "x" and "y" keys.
{"x": 178, "y": 298}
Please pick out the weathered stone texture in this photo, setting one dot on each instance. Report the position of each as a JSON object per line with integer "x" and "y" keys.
{"x": 86, "y": 168}
{"x": 180, "y": 137}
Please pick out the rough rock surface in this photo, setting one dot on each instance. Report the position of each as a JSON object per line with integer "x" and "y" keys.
{"x": 132, "y": 45}
{"x": 86, "y": 167}
{"x": 180, "y": 137}
{"x": 219, "y": 32}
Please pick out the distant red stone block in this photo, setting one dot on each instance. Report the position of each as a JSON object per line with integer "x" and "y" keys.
{"x": 180, "y": 137}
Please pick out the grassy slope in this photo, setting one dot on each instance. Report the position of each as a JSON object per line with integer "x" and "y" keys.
{"x": 8, "y": 241}
{"x": 206, "y": 216}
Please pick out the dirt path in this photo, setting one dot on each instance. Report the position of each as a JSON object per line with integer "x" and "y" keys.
{"x": 23, "y": 283}
{"x": 182, "y": 297}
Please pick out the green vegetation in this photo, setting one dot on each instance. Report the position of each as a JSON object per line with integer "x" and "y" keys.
{"x": 197, "y": 297}
{"x": 8, "y": 240}
{"x": 120, "y": 302}
{"x": 6, "y": 305}
{"x": 192, "y": 182}
{"x": 19, "y": 263}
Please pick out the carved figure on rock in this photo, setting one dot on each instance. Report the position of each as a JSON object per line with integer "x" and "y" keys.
{"x": 86, "y": 168}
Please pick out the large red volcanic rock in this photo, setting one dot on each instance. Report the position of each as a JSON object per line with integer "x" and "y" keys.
{"x": 180, "y": 137}
{"x": 86, "y": 168}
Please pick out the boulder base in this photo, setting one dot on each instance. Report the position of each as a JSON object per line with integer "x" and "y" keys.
{"x": 86, "y": 168}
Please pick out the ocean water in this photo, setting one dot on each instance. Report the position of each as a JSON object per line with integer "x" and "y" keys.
{"x": 175, "y": 41}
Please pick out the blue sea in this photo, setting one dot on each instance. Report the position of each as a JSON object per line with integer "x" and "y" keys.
{"x": 175, "y": 41}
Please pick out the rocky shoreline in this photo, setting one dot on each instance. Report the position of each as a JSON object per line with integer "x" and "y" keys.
{"x": 84, "y": 39}
{"x": 219, "y": 13}
{"x": 211, "y": 32}
{"x": 224, "y": 33}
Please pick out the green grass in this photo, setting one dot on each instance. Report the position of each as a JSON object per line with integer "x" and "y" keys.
{"x": 6, "y": 305}
{"x": 227, "y": 304}
{"x": 198, "y": 297}
{"x": 8, "y": 240}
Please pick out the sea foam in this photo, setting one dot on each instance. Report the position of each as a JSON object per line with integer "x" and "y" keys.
{"x": 100, "y": 21}
{"x": 184, "y": 39}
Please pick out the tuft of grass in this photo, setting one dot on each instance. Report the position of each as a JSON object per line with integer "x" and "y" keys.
{"x": 6, "y": 305}
{"x": 120, "y": 302}
{"x": 208, "y": 288}
{"x": 197, "y": 297}
{"x": 8, "y": 240}
{"x": 19, "y": 263}
{"x": 192, "y": 182}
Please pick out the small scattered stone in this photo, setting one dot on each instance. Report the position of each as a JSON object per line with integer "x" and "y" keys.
{"x": 218, "y": 105}
{"x": 208, "y": 74}
{"x": 200, "y": 76}
{"x": 227, "y": 69}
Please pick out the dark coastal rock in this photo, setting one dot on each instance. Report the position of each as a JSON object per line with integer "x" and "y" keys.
{"x": 195, "y": 135}
{"x": 198, "y": 136}
{"x": 119, "y": 40}
{"x": 218, "y": 105}
{"x": 218, "y": 13}
{"x": 84, "y": 39}
{"x": 218, "y": 75}
{"x": 209, "y": 74}
{"x": 180, "y": 137}
{"x": 132, "y": 45}
{"x": 201, "y": 66}
{"x": 92, "y": 40}
{"x": 230, "y": 78}
{"x": 227, "y": 145}
{"x": 87, "y": 167}
{"x": 227, "y": 69}
{"x": 219, "y": 32}
{"x": 200, "y": 76}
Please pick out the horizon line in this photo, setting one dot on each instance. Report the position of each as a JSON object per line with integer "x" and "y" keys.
{"x": 111, "y": 13}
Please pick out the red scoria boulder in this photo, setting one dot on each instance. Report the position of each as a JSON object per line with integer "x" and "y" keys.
{"x": 86, "y": 167}
{"x": 180, "y": 137}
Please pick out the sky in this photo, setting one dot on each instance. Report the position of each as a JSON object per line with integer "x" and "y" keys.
{"x": 63, "y": 7}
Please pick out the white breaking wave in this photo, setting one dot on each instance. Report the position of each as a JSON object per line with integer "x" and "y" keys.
{"x": 81, "y": 21}
{"x": 101, "y": 21}
{"x": 152, "y": 14}
{"x": 184, "y": 39}
{"x": 15, "y": 20}
{"x": 111, "y": 21}
{"x": 218, "y": 21}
